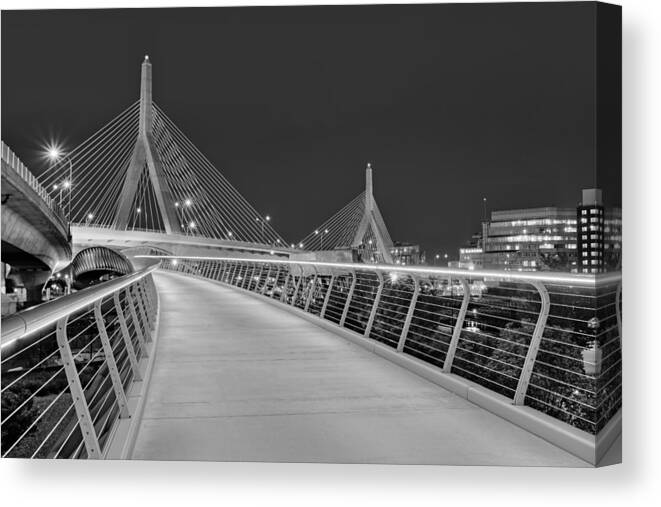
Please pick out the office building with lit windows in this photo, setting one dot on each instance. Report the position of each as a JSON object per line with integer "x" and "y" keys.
{"x": 598, "y": 234}
{"x": 583, "y": 239}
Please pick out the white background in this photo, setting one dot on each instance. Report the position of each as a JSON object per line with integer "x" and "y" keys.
{"x": 636, "y": 482}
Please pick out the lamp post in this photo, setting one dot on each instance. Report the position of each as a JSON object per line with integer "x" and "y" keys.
{"x": 261, "y": 221}
{"x": 56, "y": 155}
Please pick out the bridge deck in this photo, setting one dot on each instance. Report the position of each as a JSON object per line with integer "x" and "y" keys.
{"x": 237, "y": 379}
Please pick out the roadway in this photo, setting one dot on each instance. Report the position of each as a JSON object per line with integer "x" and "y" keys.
{"x": 238, "y": 379}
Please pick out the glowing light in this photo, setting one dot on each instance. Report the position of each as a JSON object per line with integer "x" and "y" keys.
{"x": 192, "y": 225}
{"x": 316, "y": 232}
{"x": 188, "y": 202}
{"x": 55, "y": 187}
{"x": 175, "y": 262}
{"x": 53, "y": 152}
{"x": 272, "y": 252}
{"x": 138, "y": 210}
{"x": 90, "y": 216}
{"x": 394, "y": 277}
{"x": 229, "y": 234}
{"x": 66, "y": 184}
{"x": 325, "y": 231}
{"x": 300, "y": 245}
{"x": 176, "y": 204}
{"x": 268, "y": 218}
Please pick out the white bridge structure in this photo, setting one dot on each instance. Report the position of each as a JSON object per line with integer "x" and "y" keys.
{"x": 220, "y": 341}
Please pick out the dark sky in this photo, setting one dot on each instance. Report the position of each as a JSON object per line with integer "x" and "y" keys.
{"x": 450, "y": 103}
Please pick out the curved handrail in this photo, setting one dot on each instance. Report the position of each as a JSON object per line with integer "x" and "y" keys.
{"x": 19, "y": 325}
{"x": 582, "y": 280}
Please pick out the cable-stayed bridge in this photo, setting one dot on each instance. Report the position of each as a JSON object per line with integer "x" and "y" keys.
{"x": 220, "y": 341}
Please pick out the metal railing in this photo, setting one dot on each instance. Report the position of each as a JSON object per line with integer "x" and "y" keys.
{"x": 550, "y": 341}
{"x": 15, "y": 163}
{"x": 68, "y": 366}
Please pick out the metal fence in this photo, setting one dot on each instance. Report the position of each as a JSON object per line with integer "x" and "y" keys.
{"x": 550, "y": 341}
{"x": 15, "y": 163}
{"x": 68, "y": 367}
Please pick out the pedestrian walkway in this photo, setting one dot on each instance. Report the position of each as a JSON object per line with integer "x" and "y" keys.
{"x": 238, "y": 379}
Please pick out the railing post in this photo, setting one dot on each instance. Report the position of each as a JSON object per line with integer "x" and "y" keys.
{"x": 283, "y": 294}
{"x": 327, "y": 296}
{"x": 375, "y": 305}
{"x": 345, "y": 310}
{"x": 409, "y": 314}
{"x": 77, "y": 394}
{"x": 141, "y": 298}
{"x": 311, "y": 291}
{"x": 232, "y": 273}
{"x": 143, "y": 291}
{"x": 127, "y": 338}
{"x": 533, "y": 348}
{"x": 618, "y": 311}
{"x": 266, "y": 281}
{"x": 116, "y": 380}
{"x": 223, "y": 271}
{"x": 298, "y": 286}
{"x": 143, "y": 314}
{"x": 136, "y": 322}
{"x": 458, "y": 326}
{"x": 259, "y": 277}
{"x": 245, "y": 283}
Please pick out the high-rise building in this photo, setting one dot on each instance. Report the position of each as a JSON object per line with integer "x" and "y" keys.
{"x": 598, "y": 234}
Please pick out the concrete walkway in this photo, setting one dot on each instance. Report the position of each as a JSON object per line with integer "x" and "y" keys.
{"x": 237, "y": 379}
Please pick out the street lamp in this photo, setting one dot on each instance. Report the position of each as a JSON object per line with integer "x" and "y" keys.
{"x": 55, "y": 155}
{"x": 436, "y": 257}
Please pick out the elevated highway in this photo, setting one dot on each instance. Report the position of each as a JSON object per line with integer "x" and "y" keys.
{"x": 35, "y": 235}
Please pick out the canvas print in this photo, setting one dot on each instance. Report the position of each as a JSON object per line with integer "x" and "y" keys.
{"x": 315, "y": 234}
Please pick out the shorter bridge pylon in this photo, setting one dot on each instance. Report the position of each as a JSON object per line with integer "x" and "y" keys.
{"x": 358, "y": 226}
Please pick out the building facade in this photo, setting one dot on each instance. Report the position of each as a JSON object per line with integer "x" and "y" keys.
{"x": 584, "y": 239}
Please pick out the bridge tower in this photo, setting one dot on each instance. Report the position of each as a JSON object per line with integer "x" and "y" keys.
{"x": 144, "y": 153}
{"x": 372, "y": 222}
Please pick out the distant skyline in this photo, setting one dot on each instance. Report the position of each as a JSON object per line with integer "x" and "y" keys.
{"x": 450, "y": 103}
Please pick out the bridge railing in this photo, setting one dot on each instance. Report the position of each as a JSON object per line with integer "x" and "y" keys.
{"x": 549, "y": 341}
{"x": 69, "y": 368}
{"x": 15, "y": 163}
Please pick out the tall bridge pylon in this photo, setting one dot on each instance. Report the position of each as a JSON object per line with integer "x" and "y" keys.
{"x": 144, "y": 157}
{"x": 358, "y": 226}
{"x": 141, "y": 172}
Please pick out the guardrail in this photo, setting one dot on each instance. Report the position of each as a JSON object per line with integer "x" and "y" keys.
{"x": 15, "y": 163}
{"x": 549, "y": 341}
{"x": 68, "y": 367}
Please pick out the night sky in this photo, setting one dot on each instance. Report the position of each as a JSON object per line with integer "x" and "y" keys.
{"x": 449, "y": 103}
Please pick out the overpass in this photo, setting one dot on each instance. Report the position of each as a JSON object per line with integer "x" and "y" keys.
{"x": 35, "y": 235}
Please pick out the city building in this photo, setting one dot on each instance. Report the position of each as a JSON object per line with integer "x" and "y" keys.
{"x": 582, "y": 239}
{"x": 407, "y": 254}
{"x": 598, "y": 234}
